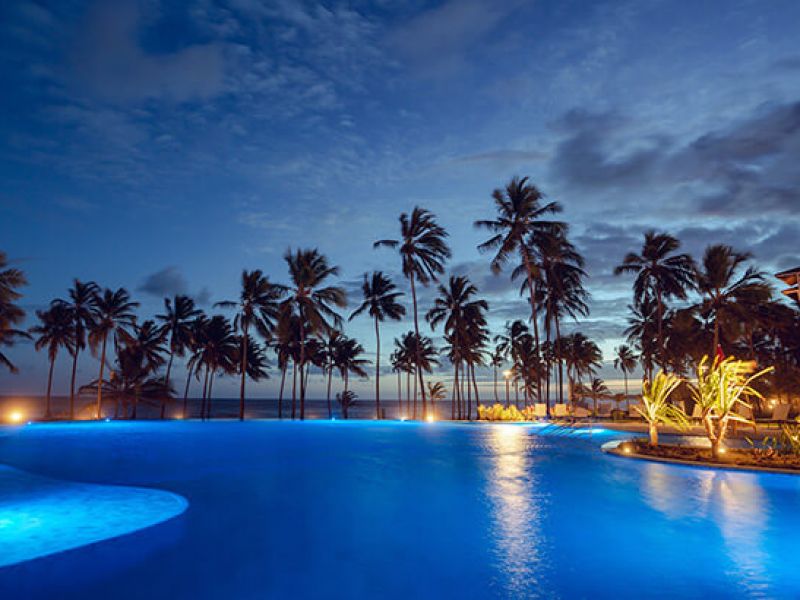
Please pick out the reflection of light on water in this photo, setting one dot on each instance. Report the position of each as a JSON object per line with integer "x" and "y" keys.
{"x": 515, "y": 513}
{"x": 737, "y": 504}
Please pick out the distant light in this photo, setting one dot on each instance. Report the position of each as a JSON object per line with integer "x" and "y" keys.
{"x": 404, "y": 418}
{"x": 29, "y": 423}
{"x": 626, "y": 449}
{"x": 429, "y": 419}
{"x": 507, "y": 374}
{"x": 107, "y": 420}
{"x": 333, "y": 418}
{"x": 15, "y": 416}
{"x": 722, "y": 450}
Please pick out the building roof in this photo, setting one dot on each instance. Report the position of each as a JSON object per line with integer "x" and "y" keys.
{"x": 789, "y": 276}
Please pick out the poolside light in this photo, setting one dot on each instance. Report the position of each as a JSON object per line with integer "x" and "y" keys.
{"x": 626, "y": 449}
{"x": 15, "y": 416}
{"x": 429, "y": 418}
{"x": 507, "y": 373}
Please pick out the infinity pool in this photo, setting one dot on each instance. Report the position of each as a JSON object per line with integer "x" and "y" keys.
{"x": 403, "y": 510}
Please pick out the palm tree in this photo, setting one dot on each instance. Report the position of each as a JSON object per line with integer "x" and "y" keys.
{"x": 112, "y": 312}
{"x": 642, "y": 332}
{"x": 625, "y": 361}
{"x": 218, "y": 351}
{"x": 55, "y": 331}
{"x": 196, "y": 328}
{"x": 726, "y": 294}
{"x": 597, "y": 389}
{"x": 423, "y": 251}
{"x": 145, "y": 348}
{"x": 80, "y": 303}
{"x": 347, "y": 360}
{"x": 10, "y": 314}
{"x": 437, "y": 393}
{"x": 257, "y": 307}
{"x": 380, "y": 301}
{"x": 660, "y": 274}
{"x": 177, "y": 321}
{"x": 346, "y": 399}
{"x": 518, "y": 222}
{"x": 312, "y": 301}
{"x": 656, "y": 408}
{"x": 497, "y": 359}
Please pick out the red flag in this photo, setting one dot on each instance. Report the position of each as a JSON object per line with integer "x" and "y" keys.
{"x": 720, "y": 353}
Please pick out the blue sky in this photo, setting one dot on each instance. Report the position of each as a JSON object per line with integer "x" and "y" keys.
{"x": 164, "y": 146}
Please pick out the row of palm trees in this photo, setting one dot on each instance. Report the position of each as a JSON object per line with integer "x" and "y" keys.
{"x": 680, "y": 311}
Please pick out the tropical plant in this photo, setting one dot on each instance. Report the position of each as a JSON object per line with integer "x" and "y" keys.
{"x": 179, "y": 314}
{"x": 80, "y": 304}
{"x": 727, "y": 295}
{"x": 55, "y": 331}
{"x": 625, "y": 361}
{"x": 112, "y": 312}
{"x": 498, "y": 412}
{"x": 144, "y": 347}
{"x": 346, "y": 400}
{"x": 257, "y": 308}
{"x": 217, "y": 351}
{"x": 423, "y": 251}
{"x": 520, "y": 211}
{"x": 661, "y": 274}
{"x": 11, "y": 279}
{"x": 312, "y": 301}
{"x": 380, "y": 303}
{"x": 722, "y": 387}
{"x": 347, "y": 359}
{"x": 655, "y": 407}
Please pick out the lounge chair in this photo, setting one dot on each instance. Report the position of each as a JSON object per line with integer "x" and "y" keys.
{"x": 540, "y": 410}
{"x": 633, "y": 413}
{"x": 780, "y": 414}
{"x": 604, "y": 410}
{"x": 578, "y": 412}
{"x": 697, "y": 412}
{"x": 560, "y": 411}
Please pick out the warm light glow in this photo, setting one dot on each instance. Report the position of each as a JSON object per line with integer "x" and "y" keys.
{"x": 722, "y": 450}
{"x": 15, "y": 416}
{"x": 507, "y": 374}
{"x": 626, "y": 449}
{"x": 429, "y": 418}
{"x": 404, "y": 418}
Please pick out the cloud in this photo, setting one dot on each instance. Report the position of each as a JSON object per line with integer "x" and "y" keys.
{"x": 109, "y": 59}
{"x": 501, "y": 157}
{"x": 169, "y": 281}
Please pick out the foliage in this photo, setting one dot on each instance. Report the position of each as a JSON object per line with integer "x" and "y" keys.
{"x": 498, "y": 412}
{"x": 656, "y": 408}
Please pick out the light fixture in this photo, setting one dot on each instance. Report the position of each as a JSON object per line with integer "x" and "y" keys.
{"x": 15, "y": 416}
{"x": 429, "y": 418}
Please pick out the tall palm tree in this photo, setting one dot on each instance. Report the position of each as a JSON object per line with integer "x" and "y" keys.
{"x": 179, "y": 314}
{"x": 497, "y": 360}
{"x": 661, "y": 274}
{"x": 55, "y": 331}
{"x": 312, "y": 301}
{"x": 81, "y": 304}
{"x": 380, "y": 302}
{"x": 112, "y": 312}
{"x": 10, "y": 314}
{"x": 144, "y": 346}
{"x": 625, "y": 361}
{"x": 196, "y": 329}
{"x": 423, "y": 251}
{"x": 257, "y": 307}
{"x": 727, "y": 293}
{"x": 520, "y": 211}
{"x": 348, "y": 360}
{"x": 642, "y": 333}
{"x": 218, "y": 351}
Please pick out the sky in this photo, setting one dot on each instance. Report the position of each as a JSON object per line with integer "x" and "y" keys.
{"x": 166, "y": 146}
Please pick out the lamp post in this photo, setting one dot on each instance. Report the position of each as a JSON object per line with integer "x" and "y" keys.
{"x": 507, "y": 375}
{"x": 791, "y": 277}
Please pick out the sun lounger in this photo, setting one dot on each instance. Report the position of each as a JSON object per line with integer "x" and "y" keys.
{"x": 579, "y": 412}
{"x": 780, "y": 414}
{"x": 560, "y": 411}
{"x": 540, "y": 410}
{"x": 697, "y": 412}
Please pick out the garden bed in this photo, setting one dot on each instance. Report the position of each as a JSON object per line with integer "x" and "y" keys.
{"x": 733, "y": 458}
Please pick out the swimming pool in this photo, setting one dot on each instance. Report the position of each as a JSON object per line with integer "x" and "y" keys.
{"x": 406, "y": 510}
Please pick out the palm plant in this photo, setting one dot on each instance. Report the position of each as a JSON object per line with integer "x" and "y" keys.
{"x": 625, "y": 361}
{"x": 346, "y": 400}
{"x": 81, "y": 304}
{"x": 661, "y": 274}
{"x": 436, "y": 393}
{"x": 642, "y": 332}
{"x": 423, "y": 250}
{"x": 347, "y": 360}
{"x": 380, "y": 302}
{"x": 196, "y": 328}
{"x": 112, "y": 312}
{"x": 217, "y": 351}
{"x": 257, "y": 307}
{"x": 10, "y": 314}
{"x": 721, "y": 388}
{"x": 312, "y": 301}
{"x": 145, "y": 348}
{"x": 177, "y": 319}
{"x": 497, "y": 359}
{"x": 597, "y": 389}
{"x": 55, "y": 331}
{"x": 726, "y": 293}
{"x": 656, "y": 408}
{"x": 518, "y": 222}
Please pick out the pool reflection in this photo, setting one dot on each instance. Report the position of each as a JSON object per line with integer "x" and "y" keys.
{"x": 516, "y": 513}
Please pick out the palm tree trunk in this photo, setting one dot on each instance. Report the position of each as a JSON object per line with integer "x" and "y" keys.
{"x": 166, "y": 381}
{"x": 560, "y": 361}
{"x": 72, "y": 385}
{"x": 280, "y": 394}
{"x": 625, "y": 378}
{"x": 210, "y": 391}
{"x": 534, "y": 321}
{"x": 186, "y": 390}
{"x": 469, "y": 395}
{"x": 400, "y": 392}
{"x": 205, "y": 393}
{"x": 100, "y": 378}
{"x": 475, "y": 386}
{"x": 330, "y": 378}
{"x": 416, "y": 392}
{"x": 47, "y": 412}
{"x": 453, "y": 395}
{"x": 408, "y": 392}
{"x": 243, "y": 371}
{"x": 377, "y": 370}
{"x": 135, "y": 402}
{"x": 294, "y": 389}
{"x": 716, "y": 337}
{"x": 416, "y": 351}
{"x": 660, "y": 309}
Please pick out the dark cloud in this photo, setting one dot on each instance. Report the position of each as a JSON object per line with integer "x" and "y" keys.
{"x": 166, "y": 282}
{"x": 748, "y": 167}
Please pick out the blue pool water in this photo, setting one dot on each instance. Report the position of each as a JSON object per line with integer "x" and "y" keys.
{"x": 404, "y": 510}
